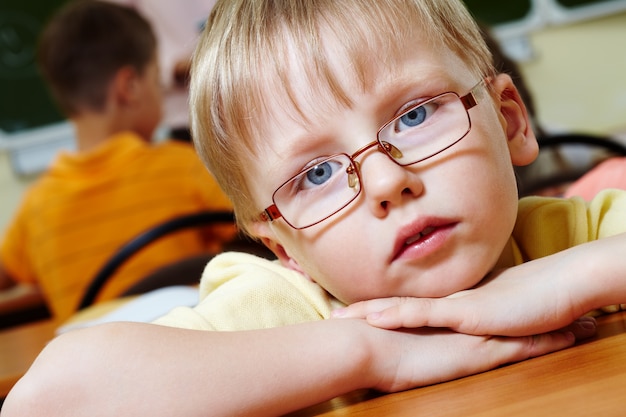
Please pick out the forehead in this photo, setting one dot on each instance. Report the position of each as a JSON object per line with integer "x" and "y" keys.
{"x": 313, "y": 86}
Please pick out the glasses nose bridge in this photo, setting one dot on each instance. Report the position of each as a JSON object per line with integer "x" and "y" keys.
{"x": 376, "y": 143}
{"x": 385, "y": 148}
{"x": 354, "y": 171}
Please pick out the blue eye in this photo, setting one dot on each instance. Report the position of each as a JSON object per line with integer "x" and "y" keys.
{"x": 319, "y": 174}
{"x": 415, "y": 117}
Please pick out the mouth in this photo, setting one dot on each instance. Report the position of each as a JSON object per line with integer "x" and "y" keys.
{"x": 419, "y": 236}
{"x": 419, "y": 241}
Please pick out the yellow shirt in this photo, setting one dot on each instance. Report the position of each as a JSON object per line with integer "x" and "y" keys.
{"x": 88, "y": 205}
{"x": 548, "y": 225}
{"x": 240, "y": 291}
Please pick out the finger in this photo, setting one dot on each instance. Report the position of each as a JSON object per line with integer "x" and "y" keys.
{"x": 408, "y": 315}
{"x": 361, "y": 309}
{"x": 525, "y": 347}
{"x": 550, "y": 342}
{"x": 583, "y": 327}
{"x": 421, "y": 312}
{"x": 499, "y": 350}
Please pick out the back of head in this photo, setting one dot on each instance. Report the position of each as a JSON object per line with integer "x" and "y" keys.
{"x": 85, "y": 44}
{"x": 250, "y": 47}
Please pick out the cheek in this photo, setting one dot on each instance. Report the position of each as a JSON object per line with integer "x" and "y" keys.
{"x": 335, "y": 260}
{"x": 489, "y": 160}
{"x": 482, "y": 181}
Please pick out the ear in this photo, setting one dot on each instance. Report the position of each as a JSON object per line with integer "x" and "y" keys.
{"x": 521, "y": 139}
{"x": 125, "y": 86}
{"x": 263, "y": 231}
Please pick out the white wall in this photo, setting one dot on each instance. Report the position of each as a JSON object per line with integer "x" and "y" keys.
{"x": 578, "y": 75}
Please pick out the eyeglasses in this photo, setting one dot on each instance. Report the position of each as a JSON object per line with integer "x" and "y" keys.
{"x": 423, "y": 131}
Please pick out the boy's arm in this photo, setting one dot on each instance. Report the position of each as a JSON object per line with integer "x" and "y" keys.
{"x": 537, "y": 296}
{"x": 144, "y": 369}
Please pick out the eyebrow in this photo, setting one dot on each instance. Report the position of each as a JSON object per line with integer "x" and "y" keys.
{"x": 307, "y": 147}
{"x": 393, "y": 95}
{"x": 289, "y": 156}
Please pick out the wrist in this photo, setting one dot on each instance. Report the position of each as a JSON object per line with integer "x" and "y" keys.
{"x": 361, "y": 354}
{"x": 377, "y": 360}
{"x": 600, "y": 279}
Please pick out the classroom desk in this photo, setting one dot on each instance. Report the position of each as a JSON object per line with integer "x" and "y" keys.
{"x": 586, "y": 380}
{"x": 19, "y": 346}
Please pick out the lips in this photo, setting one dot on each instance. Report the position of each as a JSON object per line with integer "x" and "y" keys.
{"x": 422, "y": 238}
{"x": 419, "y": 236}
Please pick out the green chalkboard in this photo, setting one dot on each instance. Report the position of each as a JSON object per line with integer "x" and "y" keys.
{"x": 24, "y": 99}
{"x": 494, "y": 12}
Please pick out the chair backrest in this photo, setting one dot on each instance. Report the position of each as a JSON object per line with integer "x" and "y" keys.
{"x": 144, "y": 239}
{"x": 563, "y": 159}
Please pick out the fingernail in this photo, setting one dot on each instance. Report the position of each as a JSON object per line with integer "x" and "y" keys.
{"x": 338, "y": 313}
{"x": 588, "y": 324}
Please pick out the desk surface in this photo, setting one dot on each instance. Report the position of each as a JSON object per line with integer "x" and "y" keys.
{"x": 588, "y": 379}
{"x": 19, "y": 346}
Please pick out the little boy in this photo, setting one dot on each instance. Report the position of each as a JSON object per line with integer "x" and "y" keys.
{"x": 370, "y": 145}
{"x": 100, "y": 62}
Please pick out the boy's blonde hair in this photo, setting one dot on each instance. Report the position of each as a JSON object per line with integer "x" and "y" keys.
{"x": 249, "y": 48}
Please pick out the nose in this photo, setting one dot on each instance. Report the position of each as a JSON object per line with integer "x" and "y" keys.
{"x": 387, "y": 184}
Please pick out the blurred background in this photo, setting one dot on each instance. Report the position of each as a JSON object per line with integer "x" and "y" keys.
{"x": 571, "y": 53}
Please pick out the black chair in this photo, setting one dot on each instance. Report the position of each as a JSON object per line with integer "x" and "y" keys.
{"x": 23, "y": 316}
{"x": 563, "y": 159}
{"x": 185, "y": 270}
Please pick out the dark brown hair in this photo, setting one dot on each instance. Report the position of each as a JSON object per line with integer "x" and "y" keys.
{"x": 84, "y": 44}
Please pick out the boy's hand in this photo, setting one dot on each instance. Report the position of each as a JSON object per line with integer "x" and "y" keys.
{"x": 532, "y": 298}
{"x": 409, "y": 359}
{"x": 452, "y": 312}
{"x": 535, "y": 297}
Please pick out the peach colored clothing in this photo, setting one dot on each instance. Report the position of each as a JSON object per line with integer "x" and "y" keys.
{"x": 609, "y": 174}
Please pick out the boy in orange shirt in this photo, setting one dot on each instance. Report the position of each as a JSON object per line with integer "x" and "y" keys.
{"x": 101, "y": 64}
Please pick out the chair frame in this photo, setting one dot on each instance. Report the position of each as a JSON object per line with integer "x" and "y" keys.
{"x": 144, "y": 239}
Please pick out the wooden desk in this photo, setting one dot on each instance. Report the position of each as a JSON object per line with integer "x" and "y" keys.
{"x": 586, "y": 380}
{"x": 19, "y": 346}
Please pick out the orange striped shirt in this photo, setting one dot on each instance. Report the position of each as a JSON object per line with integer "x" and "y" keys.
{"x": 86, "y": 206}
